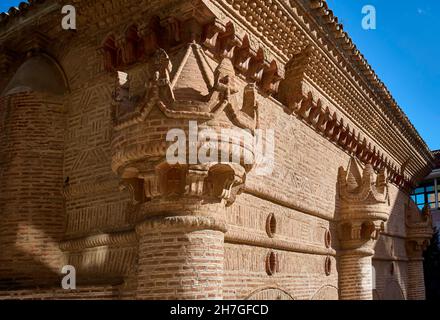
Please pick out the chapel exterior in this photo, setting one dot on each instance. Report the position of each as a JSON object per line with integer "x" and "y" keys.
{"x": 86, "y": 181}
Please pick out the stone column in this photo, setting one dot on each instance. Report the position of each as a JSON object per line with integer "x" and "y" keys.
{"x": 362, "y": 215}
{"x": 419, "y": 234}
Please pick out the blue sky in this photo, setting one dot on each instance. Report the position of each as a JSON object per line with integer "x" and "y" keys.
{"x": 403, "y": 50}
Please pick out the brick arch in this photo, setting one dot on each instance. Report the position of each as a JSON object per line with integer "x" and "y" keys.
{"x": 32, "y": 206}
{"x": 326, "y": 292}
{"x": 53, "y": 82}
{"x": 270, "y": 293}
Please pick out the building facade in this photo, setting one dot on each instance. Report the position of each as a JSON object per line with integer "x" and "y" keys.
{"x": 428, "y": 191}
{"x": 86, "y": 178}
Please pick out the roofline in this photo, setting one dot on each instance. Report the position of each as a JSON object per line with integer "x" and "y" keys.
{"x": 343, "y": 40}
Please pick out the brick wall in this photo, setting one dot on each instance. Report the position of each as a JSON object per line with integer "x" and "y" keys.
{"x": 31, "y": 179}
{"x": 39, "y": 149}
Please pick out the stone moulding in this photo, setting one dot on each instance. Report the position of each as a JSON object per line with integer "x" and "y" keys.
{"x": 121, "y": 158}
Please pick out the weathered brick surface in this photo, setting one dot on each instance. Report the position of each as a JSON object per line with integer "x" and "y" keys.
{"x": 180, "y": 264}
{"x": 31, "y": 204}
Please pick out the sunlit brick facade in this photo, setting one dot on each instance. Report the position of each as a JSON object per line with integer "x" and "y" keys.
{"x": 84, "y": 178}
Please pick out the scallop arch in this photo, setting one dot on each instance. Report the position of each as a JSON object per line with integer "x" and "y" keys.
{"x": 326, "y": 292}
{"x": 270, "y": 293}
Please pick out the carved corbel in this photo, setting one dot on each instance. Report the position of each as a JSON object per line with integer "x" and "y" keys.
{"x": 243, "y": 56}
{"x": 152, "y": 185}
{"x": 291, "y": 88}
{"x": 130, "y": 45}
{"x": 227, "y": 42}
{"x": 225, "y": 181}
{"x": 174, "y": 30}
{"x": 270, "y": 79}
{"x": 150, "y": 33}
{"x": 111, "y": 54}
{"x": 195, "y": 181}
{"x": 212, "y": 32}
{"x": 256, "y": 67}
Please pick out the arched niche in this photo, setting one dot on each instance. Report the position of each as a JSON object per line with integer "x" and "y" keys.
{"x": 39, "y": 73}
{"x": 270, "y": 294}
{"x": 326, "y": 293}
{"x": 32, "y": 135}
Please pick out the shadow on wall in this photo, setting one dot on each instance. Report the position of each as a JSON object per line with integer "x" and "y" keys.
{"x": 31, "y": 175}
{"x": 431, "y": 267}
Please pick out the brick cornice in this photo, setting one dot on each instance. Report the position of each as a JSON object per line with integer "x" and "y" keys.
{"x": 280, "y": 29}
{"x": 287, "y": 27}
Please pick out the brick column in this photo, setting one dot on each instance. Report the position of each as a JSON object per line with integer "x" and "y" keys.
{"x": 362, "y": 213}
{"x": 419, "y": 234}
{"x": 181, "y": 229}
{"x": 180, "y": 258}
{"x": 355, "y": 277}
{"x": 416, "y": 279}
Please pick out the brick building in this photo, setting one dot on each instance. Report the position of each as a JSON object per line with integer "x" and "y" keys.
{"x": 85, "y": 181}
{"x": 427, "y": 192}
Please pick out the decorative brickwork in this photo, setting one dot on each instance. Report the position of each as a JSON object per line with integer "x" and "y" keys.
{"x": 85, "y": 179}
